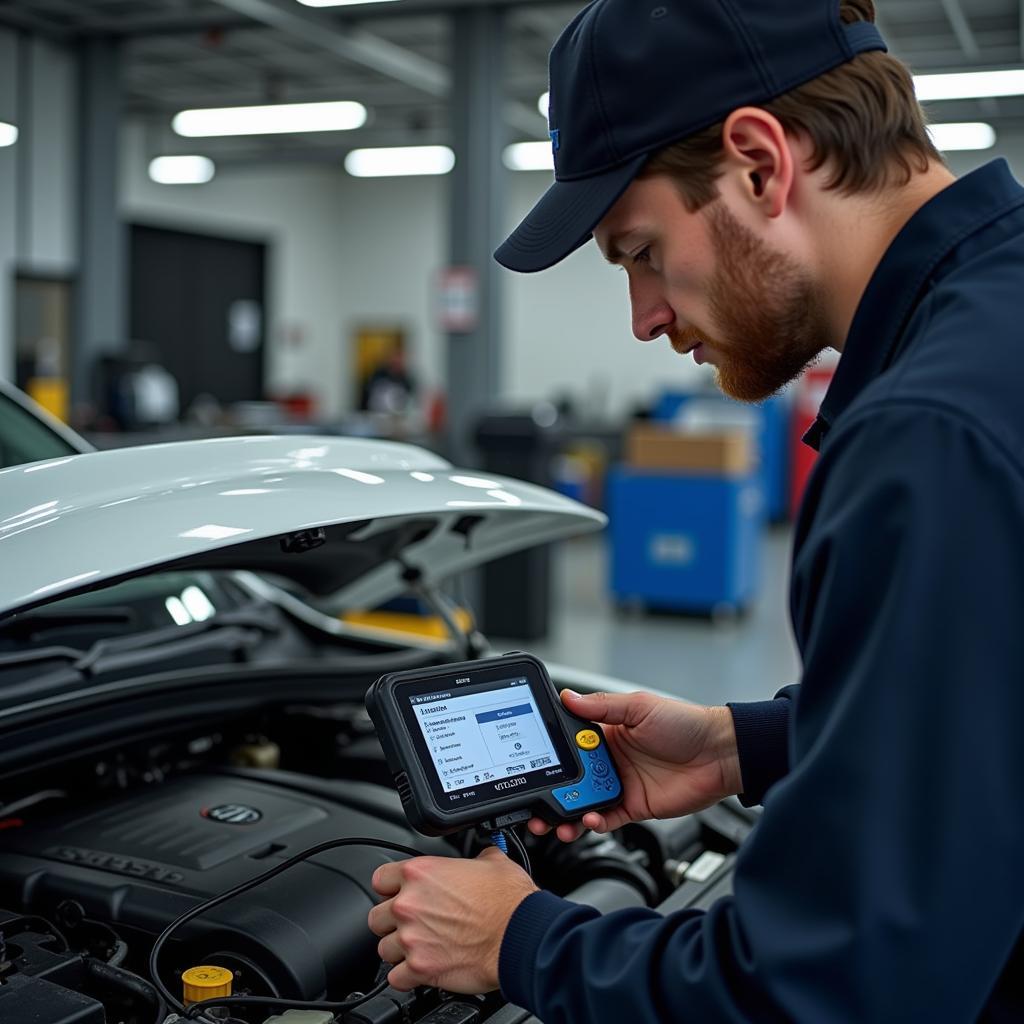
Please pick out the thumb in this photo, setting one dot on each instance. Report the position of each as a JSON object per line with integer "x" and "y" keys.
{"x": 607, "y": 708}
{"x": 492, "y": 853}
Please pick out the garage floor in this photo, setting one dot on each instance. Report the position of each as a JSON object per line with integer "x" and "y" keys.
{"x": 747, "y": 659}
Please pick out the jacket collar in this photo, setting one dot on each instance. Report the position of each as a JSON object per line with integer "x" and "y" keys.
{"x": 911, "y": 265}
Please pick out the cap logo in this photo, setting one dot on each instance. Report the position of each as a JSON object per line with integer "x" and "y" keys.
{"x": 659, "y": 12}
{"x": 556, "y": 140}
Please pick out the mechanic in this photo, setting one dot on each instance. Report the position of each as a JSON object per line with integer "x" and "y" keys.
{"x": 762, "y": 171}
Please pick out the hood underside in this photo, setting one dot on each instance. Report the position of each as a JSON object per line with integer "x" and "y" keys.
{"x": 357, "y": 519}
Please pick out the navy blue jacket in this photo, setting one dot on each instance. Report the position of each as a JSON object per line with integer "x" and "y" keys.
{"x": 885, "y": 880}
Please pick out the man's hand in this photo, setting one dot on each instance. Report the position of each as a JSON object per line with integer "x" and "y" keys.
{"x": 443, "y": 920}
{"x": 673, "y": 758}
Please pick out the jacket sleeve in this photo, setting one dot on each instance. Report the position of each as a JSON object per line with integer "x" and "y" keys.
{"x": 762, "y": 740}
{"x": 883, "y": 881}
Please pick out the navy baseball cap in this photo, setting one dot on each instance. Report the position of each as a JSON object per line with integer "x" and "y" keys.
{"x": 629, "y": 77}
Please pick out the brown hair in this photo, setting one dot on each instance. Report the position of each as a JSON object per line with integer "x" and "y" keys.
{"x": 862, "y": 118}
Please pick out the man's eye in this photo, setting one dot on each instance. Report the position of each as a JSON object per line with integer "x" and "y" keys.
{"x": 643, "y": 256}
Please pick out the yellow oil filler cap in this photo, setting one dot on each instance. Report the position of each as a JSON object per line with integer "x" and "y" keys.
{"x": 201, "y": 983}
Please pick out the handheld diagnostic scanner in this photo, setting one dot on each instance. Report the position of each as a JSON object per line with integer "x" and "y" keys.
{"x": 488, "y": 743}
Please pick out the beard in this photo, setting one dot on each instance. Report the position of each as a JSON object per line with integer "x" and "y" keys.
{"x": 769, "y": 314}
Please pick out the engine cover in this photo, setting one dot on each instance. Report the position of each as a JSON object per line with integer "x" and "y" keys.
{"x": 139, "y": 861}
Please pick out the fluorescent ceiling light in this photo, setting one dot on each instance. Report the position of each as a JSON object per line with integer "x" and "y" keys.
{"x": 529, "y": 156}
{"x": 544, "y": 105}
{"x": 399, "y": 161}
{"x": 969, "y": 85}
{"x": 280, "y": 118}
{"x": 181, "y": 170}
{"x": 341, "y": 3}
{"x": 966, "y": 135}
{"x": 8, "y": 134}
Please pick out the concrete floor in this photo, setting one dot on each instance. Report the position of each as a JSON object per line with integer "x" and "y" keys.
{"x": 704, "y": 661}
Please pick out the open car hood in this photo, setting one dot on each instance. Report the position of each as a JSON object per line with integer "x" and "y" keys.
{"x": 356, "y": 519}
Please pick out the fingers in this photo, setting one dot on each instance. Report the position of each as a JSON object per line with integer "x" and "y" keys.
{"x": 569, "y": 833}
{"x": 387, "y": 880}
{"x": 390, "y": 950}
{"x": 381, "y": 919}
{"x": 490, "y": 853}
{"x": 606, "y": 708}
{"x": 403, "y": 979}
{"x": 609, "y": 821}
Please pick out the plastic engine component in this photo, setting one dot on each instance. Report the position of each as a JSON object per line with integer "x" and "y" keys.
{"x": 35, "y": 999}
{"x": 39, "y": 979}
{"x": 140, "y": 860}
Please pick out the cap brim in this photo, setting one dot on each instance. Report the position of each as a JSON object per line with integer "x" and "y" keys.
{"x": 564, "y": 219}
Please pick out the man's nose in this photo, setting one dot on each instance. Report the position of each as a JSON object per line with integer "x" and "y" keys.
{"x": 653, "y": 321}
{"x": 652, "y": 315}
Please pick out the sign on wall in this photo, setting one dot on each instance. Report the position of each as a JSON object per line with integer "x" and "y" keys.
{"x": 459, "y": 300}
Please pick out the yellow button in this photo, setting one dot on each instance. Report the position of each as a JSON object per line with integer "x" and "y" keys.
{"x": 201, "y": 983}
{"x": 587, "y": 739}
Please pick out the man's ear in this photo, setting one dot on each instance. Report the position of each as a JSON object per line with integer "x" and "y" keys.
{"x": 759, "y": 158}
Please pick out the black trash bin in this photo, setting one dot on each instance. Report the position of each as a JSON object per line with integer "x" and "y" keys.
{"x": 516, "y": 590}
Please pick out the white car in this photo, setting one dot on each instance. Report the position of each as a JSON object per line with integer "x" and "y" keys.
{"x": 179, "y": 713}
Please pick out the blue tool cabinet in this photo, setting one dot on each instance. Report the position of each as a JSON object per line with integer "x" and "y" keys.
{"x": 684, "y": 542}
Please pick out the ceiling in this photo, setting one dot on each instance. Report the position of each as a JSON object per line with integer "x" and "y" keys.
{"x": 396, "y": 58}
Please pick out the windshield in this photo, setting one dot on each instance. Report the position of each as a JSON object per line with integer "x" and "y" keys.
{"x": 136, "y": 606}
{"x": 24, "y": 438}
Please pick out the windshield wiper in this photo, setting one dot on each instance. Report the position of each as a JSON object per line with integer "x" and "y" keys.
{"x": 150, "y": 644}
{"x": 243, "y": 623}
{"x": 54, "y": 618}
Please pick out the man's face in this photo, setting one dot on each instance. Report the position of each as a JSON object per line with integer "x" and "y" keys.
{"x": 715, "y": 288}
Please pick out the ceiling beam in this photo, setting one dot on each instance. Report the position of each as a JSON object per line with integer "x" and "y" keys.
{"x": 13, "y": 17}
{"x": 83, "y": 19}
{"x": 356, "y": 46}
{"x": 373, "y": 52}
{"x": 548, "y": 24}
{"x": 378, "y": 11}
{"x": 60, "y": 8}
{"x": 962, "y": 29}
{"x": 167, "y": 23}
{"x": 146, "y": 26}
{"x": 185, "y": 22}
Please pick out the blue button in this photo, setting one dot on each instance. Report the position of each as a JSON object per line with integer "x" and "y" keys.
{"x": 601, "y": 769}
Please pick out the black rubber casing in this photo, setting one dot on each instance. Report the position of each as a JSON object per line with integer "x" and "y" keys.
{"x": 588, "y": 780}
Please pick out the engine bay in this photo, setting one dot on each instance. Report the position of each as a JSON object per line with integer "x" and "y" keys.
{"x": 98, "y": 855}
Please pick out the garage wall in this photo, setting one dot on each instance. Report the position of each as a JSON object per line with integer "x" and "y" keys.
{"x": 287, "y": 208}
{"x": 350, "y": 251}
{"x": 346, "y": 252}
{"x": 50, "y": 195}
{"x": 393, "y": 236}
{"x": 568, "y": 329}
{"x": 343, "y": 253}
{"x": 38, "y": 175}
{"x": 1008, "y": 144}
